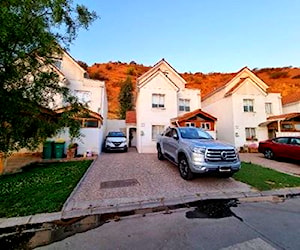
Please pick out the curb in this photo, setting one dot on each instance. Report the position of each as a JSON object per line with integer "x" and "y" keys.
{"x": 148, "y": 206}
{"x": 78, "y": 185}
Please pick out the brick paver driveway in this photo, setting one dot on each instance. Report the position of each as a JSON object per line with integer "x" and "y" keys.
{"x": 130, "y": 177}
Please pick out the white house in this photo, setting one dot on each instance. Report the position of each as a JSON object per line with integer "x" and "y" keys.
{"x": 161, "y": 95}
{"x": 88, "y": 91}
{"x": 291, "y": 103}
{"x": 240, "y": 105}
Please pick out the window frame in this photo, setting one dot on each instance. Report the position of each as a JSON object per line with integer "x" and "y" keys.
{"x": 161, "y": 129}
{"x": 250, "y": 136}
{"x": 206, "y": 126}
{"x": 248, "y": 105}
{"x": 184, "y": 104}
{"x": 160, "y": 103}
{"x": 83, "y": 122}
{"x": 190, "y": 124}
{"x": 269, "y": 110}
{"x": 83, "y": 96}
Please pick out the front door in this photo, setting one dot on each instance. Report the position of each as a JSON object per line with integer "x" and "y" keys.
{"x": 132, "y": 137}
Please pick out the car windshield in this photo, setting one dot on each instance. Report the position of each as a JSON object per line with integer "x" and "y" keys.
{"x": 115, "y": 134}
{"x": 194, "y": 133}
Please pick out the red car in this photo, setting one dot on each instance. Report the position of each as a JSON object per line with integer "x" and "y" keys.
{"x": 281, "y": 147}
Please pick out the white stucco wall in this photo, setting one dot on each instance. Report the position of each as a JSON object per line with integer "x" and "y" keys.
{"x": 194, "y": 95}
{"x": 91, "y": 140}
{"x": 291, "y": 107}
{"x": 148, "y": 116}
{"x": 232, "y": 120}
{"x": 161, "y": 79}
{"x": 222, "y": 109}
{"x": 115, "y": 125}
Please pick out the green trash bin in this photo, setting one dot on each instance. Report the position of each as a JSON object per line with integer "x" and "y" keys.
{"x": 47, "y": 149}
{"x": 59, "y": 149}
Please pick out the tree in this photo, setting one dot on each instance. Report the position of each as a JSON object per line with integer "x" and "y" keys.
{"x": 83, "y": 65}
{"x": 126, "y": 97}
{"x": 32, "y": 35}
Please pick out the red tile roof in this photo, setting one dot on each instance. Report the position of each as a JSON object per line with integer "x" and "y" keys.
{"x": 284, "y": 116}
{"x": 295, "y": 97}
{"x": 85, "y": 112}
{"x": 130, "y": 117}
{"x": 194, "y": 113}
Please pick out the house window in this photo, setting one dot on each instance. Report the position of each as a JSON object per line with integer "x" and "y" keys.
{"x": 297, "y": 126}
{"x": 184, "y": 105}
{"x": 156, "y": 130}
{"x": 268, "y": 108}
{"x": 88, "y": 122}
{"x": 91, "y": 123}
{"x": 205, "y": 125}
{"x": 248, "y": 105}
{"x": 190, "y": 124}
{"x": 57, "y": 63}
{"x": 250, "y": 134}
{"x": 83, "y": 96}
{"x": 158, "y": 101}
{"x": 287, "y": 126}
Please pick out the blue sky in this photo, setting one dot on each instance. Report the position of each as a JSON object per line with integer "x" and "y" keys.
{"x": 193, "y": 35}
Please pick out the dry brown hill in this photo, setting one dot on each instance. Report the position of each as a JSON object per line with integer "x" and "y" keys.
{"x": 283, "y": 80}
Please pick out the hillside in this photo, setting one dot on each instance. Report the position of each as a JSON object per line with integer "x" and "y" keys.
{"x": 284, "y": 80}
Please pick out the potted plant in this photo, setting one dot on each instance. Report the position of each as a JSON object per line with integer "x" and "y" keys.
{"x": 72, "y": 150}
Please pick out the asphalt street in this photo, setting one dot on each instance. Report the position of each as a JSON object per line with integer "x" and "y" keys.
{"x": 249, "y": 225}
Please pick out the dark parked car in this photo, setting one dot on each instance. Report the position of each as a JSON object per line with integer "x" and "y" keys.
{"x": 281, "y": 147}
{"x": 115, "y": 141}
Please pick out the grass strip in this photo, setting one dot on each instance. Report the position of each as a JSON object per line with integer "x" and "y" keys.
{"x": 39, "y": 188}
{"x": 263, "y": 178}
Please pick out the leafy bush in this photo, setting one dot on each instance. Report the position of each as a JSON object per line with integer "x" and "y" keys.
{"x": 98, "y": 76}
{"x": 277, "y": 75}
{"x": 108, "y": 67}
{"x": 296, "y": 77}
{"x": 130, "y": 71}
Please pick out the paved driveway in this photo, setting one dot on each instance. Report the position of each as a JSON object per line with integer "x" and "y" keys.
{"x": 131, "y": 177}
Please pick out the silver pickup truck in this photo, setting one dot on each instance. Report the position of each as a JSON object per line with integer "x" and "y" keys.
{"x": 195, "y": 151}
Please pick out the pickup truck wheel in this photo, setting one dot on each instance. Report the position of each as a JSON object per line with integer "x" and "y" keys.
{"x": 184, "y": 169}
{"x": 160, "y": 155}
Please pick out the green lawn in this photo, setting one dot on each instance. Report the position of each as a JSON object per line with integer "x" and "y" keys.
{"x": 39, "y": 188}
{"x": 264, "y": 178}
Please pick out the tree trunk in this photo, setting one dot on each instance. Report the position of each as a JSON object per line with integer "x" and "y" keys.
{"x": 2, "y": 163}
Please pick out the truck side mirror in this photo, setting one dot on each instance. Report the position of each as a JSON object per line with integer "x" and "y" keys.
{"x": 175, "y": 136}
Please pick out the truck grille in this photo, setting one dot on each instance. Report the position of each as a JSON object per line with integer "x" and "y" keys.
{"x": 221, "y": 155}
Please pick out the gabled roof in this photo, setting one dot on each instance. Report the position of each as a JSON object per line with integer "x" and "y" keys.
{"x": 89, "y": 112}
{"x": 294, "y": 97}
{"x": 242, "y": 78}
{"x": 74, "y": 61}
{"x": 154, "y": 74}
{"x": 192, "y": 114}
{"x": 154, "y": 69}
{"x": 130, "y": 117}
{"x": 235, "y": 87}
